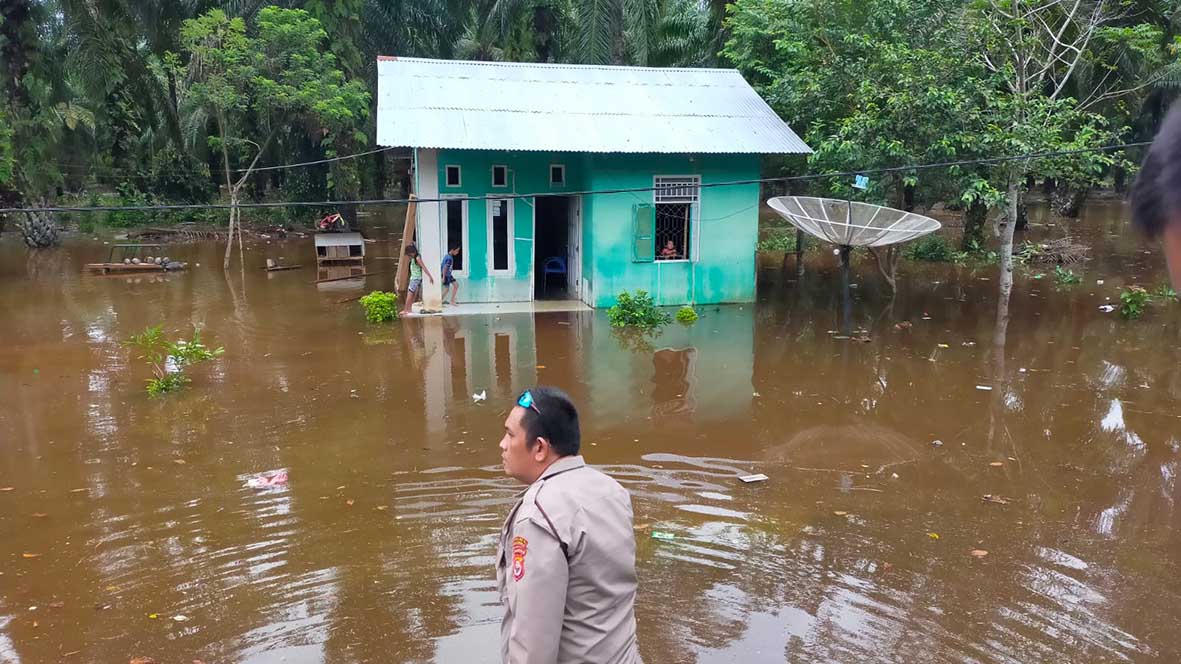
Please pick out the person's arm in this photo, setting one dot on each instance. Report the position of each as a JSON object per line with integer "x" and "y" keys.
{"x": 537, "y": 596}
{"x": 424, "y": 268}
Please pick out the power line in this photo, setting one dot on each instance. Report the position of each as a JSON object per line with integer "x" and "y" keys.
{"x": 147, "y": 173}
{"x": 620, "y": 190}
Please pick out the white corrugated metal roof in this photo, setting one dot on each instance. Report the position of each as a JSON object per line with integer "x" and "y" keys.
{"x": 577, "y": 108}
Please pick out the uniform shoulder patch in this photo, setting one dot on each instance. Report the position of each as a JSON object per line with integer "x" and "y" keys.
{"x": 520, "y": 548}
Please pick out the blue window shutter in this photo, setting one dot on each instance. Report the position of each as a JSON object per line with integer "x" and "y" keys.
{"x": 643, "y": 233}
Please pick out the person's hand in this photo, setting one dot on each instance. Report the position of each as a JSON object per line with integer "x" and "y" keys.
{"x": 432, "y": 279}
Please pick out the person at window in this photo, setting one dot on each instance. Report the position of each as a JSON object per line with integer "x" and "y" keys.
{"x": 566, "y": 561}
{"x": 449, "y": 280}
{"x": 1156, "y": 196}
{"x": 669, "y": 252}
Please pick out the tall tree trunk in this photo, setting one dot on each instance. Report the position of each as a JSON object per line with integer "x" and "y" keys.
{"x": 1006, "y": 227}
{"x": 974, "y": 217}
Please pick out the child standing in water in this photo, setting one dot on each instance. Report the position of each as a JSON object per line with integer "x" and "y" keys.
{"x": 449, "y": 281}
{"x": 416, "y": 270}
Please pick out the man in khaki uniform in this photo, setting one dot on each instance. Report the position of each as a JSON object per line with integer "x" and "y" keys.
{"x": 566, "y": 563}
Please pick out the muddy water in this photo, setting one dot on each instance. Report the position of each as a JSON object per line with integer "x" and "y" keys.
{"x": 380, "y": 547}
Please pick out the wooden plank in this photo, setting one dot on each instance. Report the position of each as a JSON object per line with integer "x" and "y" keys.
{"x": 351, "y": 276}
{"x": 402, "y": 280}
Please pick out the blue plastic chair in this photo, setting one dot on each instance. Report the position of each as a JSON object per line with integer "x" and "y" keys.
{"x": 552, "y": 265}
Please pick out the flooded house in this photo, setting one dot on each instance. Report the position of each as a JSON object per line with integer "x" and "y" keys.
{"x": 575, "y": 182}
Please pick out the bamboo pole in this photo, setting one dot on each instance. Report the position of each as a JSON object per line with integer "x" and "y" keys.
{"x": 402, "y": 280}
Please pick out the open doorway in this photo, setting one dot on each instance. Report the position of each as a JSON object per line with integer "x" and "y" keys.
{"x": 555, "y": 248}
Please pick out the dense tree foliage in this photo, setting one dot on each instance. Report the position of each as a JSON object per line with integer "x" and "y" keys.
{"x": 137, "y": 100}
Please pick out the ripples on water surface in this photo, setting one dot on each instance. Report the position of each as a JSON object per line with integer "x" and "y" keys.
{"x": 380, "y": 548}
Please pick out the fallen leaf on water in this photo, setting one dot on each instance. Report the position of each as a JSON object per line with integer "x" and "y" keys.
{"x": 56, "y": 605}
{"x": 153, "y": 616}
{"x": 112, "y": 589}
{"x": 30, "y": 555}
{"x": 541, "y": 366}
{"x": 6, "y": 488}
{"x": 39, "y": 515}
{"x": 642, "y": 526}
{"x": 997, "y": 464}
{"x": 36, "y": 624}
{"x": 180, "y": 617}
{"x": 840, "y": 513}
{"x": 382, "y": 508}
{"x": 933, "y": 536}
{"x": 83, "y": 489}
{"x": 349, "y": 502}
{"x": 179, "y": 462}
{"x": 71, "y": 653}
{"x": 341, "y": 487}
{"x": 979, "y": 553}
{"x": 944, "y": 346}
{"x": 999, "y": 500}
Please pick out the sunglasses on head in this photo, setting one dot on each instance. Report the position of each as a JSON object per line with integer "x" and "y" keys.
{"x": 526, "y": 401}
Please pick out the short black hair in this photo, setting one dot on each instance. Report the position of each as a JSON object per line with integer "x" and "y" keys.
{"x": 453, "y": 248}
{"x": 1156, "y": 195}
{"x": 411, "y": 249}
{"x": 556, "y": 420}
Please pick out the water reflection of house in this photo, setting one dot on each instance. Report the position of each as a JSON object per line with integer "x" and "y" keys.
{"x": 689, "y": 374}
{"x": 596, "y": 179}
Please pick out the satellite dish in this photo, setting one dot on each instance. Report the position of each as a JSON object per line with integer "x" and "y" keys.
{"x": 850, "y": 223}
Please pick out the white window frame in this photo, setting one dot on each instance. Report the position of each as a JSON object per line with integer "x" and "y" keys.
{"x": 458, "y": 174}
{"x": 512, "y": 258}
{"x": 693, "y": 199}
{"x": 503, "y": 185}
{"x": 467, "y": 259}
{"x": 562, "y": 183}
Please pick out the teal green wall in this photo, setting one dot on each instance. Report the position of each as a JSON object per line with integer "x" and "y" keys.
{"x": 727, "y": 222}
{"x": 724, "y": 270}
{"x": 528, "y": 172}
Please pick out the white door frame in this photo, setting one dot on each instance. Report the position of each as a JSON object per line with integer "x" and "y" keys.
{"x": 465, "y": 230}
{"x": 574, "y": 255}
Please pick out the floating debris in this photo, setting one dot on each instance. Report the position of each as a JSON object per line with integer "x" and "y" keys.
{"x": 758, "y": 477}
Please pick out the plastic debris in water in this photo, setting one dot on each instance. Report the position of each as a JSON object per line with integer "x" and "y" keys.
{"x": 1107, "y": 308}
{"x": 662, "y": 535}
{"x": 986, "y": 388}
{"x": 758, "y": 477}
{"x": 482, "y": 396}
{"x": 271, "y": 478}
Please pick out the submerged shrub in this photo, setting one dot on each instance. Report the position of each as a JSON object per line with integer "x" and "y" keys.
{"x": 380, "y": 306}
{"x": 1066, "y": 277}
{"x": 168, "y": 359}
{"x": 933, "y": 249}
{"x": 1132, "y": 302}
{"x": 686, "y": 315}
{"x": 636, "y": 311}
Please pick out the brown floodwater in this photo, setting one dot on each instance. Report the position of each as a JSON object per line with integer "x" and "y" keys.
{"x": 126, "y": 528}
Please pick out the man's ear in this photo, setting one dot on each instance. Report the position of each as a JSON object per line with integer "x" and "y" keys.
{"x": 541, "y": 449}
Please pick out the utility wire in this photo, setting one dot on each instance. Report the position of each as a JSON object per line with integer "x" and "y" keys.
{"x": 620, "y": 190}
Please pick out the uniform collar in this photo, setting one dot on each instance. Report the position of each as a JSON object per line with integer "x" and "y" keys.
{"x": 562, "y": 465}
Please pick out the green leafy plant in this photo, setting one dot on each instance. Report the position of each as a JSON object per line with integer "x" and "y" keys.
{"x": 778, "y": 241}
{"x": 169, "y": 359}
{"x": 1165, "y": 292}
{"x": 636, "y": 311}
{"x": 1066, "y": 277}
{"x": 934, "y": 249}
{"x": 380, "y": 306}
{"x": 686, "y": 315}
{"x": 1132, "y": 301}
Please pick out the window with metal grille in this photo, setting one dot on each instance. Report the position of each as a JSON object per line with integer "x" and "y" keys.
{"x": 675, "y": 198}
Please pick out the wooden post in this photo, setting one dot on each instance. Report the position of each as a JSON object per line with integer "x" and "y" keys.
{"x": 402, "y": 280}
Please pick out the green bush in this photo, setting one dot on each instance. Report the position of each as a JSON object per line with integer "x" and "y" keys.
{"x": 686, "y": 315}
{"x": 1065, "y": 277}
{"x": 779, "y": 241}
{"x": 636, "y": 311}
{"x": 1132, "y": 302}
{"x": 380, "y": 306}
{"x": 933, "y": 249}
